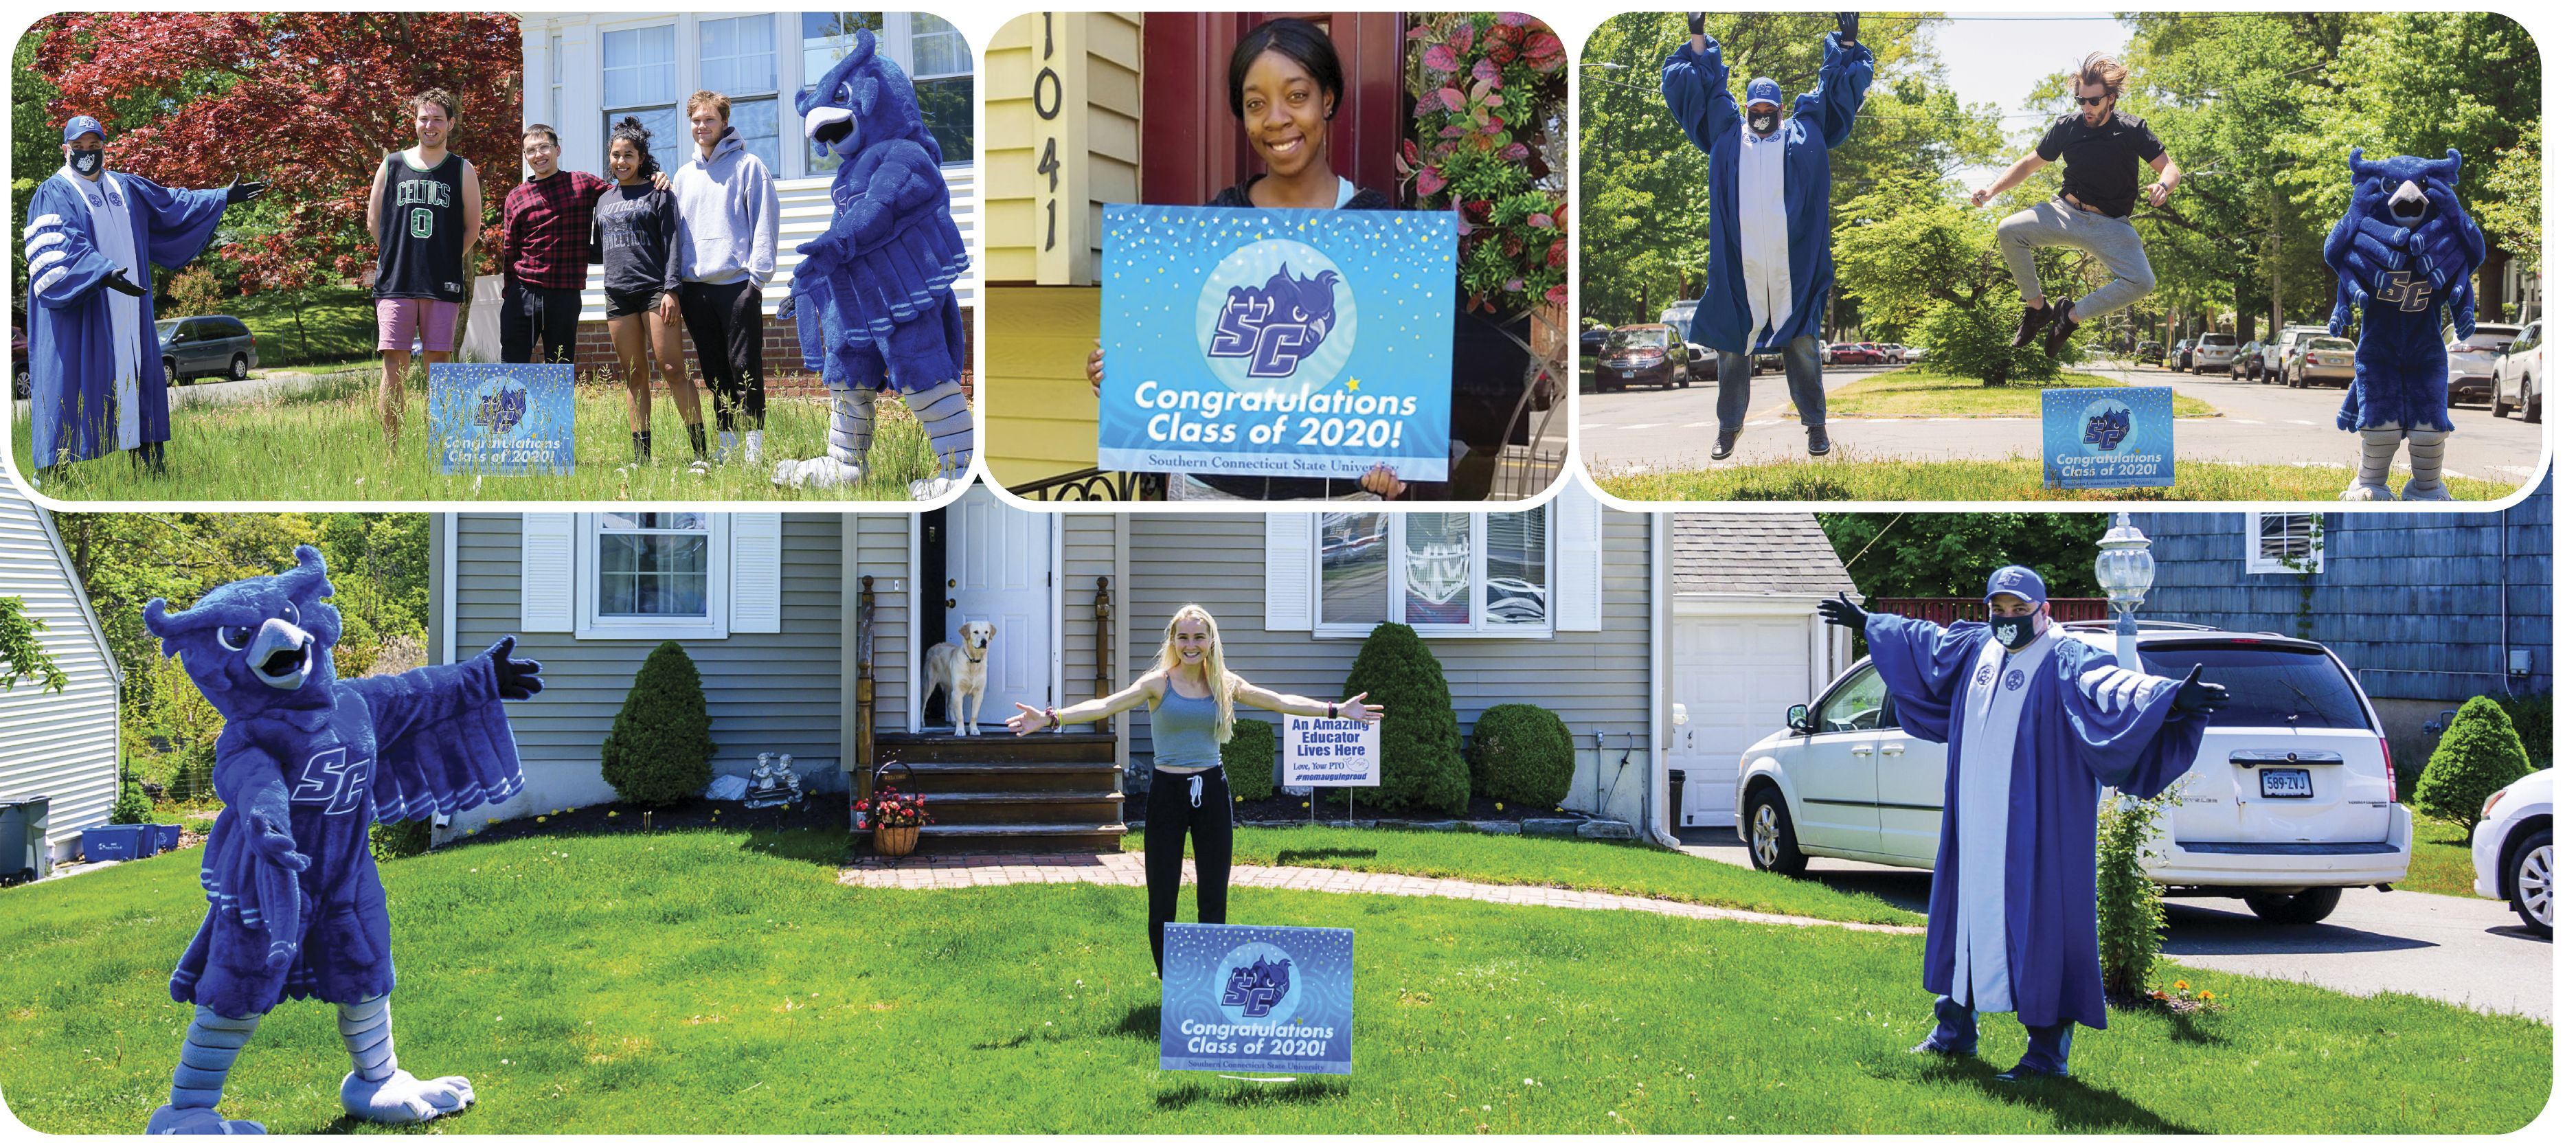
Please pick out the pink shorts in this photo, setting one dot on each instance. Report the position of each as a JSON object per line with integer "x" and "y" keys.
{"x": 397, "y": 319}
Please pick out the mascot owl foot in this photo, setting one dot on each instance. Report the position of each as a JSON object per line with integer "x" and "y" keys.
{"x": 2419, "y": 490}
{"x": 818, "y": 472}
{"x": 935, "y": 487}
{"x": 844, "y": 461}
{"x": 2366, "y": 493}
{"x": 2424, "y": 449}
{"x": 168, "y": 1120}
{"x": 400, "y": 1098}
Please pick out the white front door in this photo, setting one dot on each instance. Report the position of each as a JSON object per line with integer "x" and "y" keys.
{"x": 1001, "y": 562}
{"x": 1737, "y": 676}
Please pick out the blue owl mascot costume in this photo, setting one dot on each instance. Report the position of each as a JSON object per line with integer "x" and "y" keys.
{"x": 306, "y": 763}
{"x": 2403, "y": 251}
{"x": 874, "y": 300}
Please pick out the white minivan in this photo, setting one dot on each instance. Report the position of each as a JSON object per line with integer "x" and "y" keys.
{"x": 2291, "y": 801}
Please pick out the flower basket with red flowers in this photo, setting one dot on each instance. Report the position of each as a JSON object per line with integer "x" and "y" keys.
{"x": 894, "y": 818}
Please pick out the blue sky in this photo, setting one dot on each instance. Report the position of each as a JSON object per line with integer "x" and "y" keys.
{"x": 1995, "y": 57}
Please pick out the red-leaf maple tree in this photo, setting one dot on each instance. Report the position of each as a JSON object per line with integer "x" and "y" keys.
{"x": 310, "y": 101}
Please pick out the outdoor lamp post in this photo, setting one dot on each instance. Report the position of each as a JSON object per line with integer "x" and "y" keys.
{"x": 2125, "y": 570}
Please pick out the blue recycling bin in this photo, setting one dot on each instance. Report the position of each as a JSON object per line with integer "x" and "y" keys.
{"x": 164, "y": 837}
{"x": 115, "y": 843}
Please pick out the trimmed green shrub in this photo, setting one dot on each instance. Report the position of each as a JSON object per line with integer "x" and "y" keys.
{"x": 133, "y": 806}
{"x": 1977, "y": 342}
{"x": 2479, "y": 755}
{"x": 2530, "y": 715}
{"x": 658, "y": 750}
{"x": 1420, "y": 766}
{"x": 1252, "y": 760}
{"x": 2128, "y": 907}
{"x": 1520, "y": 753}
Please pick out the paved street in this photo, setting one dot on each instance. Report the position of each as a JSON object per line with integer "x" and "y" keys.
{"x": 2466, "y": 951}
{"x": 1643, "y": 431}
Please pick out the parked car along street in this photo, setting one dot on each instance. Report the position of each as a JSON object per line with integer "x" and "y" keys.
{"x": 2179, "y": 357}
{"x": 2518, "y": 376}
{"x": 2212, "y": 351}
{"x": 2247, "y": 363}
{"x": 2511, "y": 850}
{"x": 2276, "y": 353}
{"x": 210, "y": 346}
{"x": 2320, "y": 360}
{"x": 2473, "y": 361}
{"x": 2292, "y": 799}
{"x": 1642, "y": 355}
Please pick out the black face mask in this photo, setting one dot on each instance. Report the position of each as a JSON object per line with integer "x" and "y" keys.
{"x": 87, "y": 163}
{"x": 1764, "y": 122}
{"x": 2015, "y": 631}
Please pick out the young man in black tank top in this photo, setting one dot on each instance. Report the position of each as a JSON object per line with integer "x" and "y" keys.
{"x": 425, "y": 212}
{"x": 2102, "y": 147}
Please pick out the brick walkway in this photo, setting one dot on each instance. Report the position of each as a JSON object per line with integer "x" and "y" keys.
{"x": 968, "y": 870}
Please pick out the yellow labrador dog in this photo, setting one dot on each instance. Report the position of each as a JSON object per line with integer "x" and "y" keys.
{"x": 960, "y": 668}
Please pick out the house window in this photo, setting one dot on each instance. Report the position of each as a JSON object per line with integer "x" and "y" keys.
{"x": 943, "y": 80}
{"x": 654, "y": 575}
{"x": 640, "y": 76}
{"x": 825, "y": 38}
{"x": 554, "y": 83}
{"x": 738, "y": 58}
{"x": 1442, "y": 573}
{"x": 2284, "y": 543}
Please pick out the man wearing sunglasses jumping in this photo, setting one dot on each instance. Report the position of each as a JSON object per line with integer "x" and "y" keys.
{"x": 2102, "y": 147}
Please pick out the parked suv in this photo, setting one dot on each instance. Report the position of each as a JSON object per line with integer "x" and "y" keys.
{"x": 2518, "y": 372}
{"x": 2210, "y": 352}
{"x": 212, "y": 346}
{"x": 2276, "y": 354}
{"x": 2291, "y": 800}
{"x": 2512, "y": 851}
{"x": 2473, "y": 360}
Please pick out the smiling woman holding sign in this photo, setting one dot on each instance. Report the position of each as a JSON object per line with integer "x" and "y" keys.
{"x": 1190, "y": 696}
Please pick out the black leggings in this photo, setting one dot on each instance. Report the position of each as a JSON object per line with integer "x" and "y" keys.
{"x": 1208, "y": 826}
{"x": 724, "y": 324}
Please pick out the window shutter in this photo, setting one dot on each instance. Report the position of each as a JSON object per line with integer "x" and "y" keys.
{"x": 754, "y": 587}
{"x": 1578, "y": 561}
{"x": 547, "y": 555}
{"x": 1288, "y": 571}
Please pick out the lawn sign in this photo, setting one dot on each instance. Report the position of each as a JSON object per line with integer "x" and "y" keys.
{"x": 500, "y": 420}
{"x": 1256, "y": 998}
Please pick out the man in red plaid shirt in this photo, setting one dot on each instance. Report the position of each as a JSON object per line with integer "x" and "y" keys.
{"x": 545, "y": 250}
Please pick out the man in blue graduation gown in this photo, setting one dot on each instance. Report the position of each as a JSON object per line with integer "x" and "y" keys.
{"x": 2037, "y": 722}
{"x": 1770, "y": 232}
{"x": 93, "y": 357}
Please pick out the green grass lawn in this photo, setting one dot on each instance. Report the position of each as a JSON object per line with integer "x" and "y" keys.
{"x": 719, "y": 981}
{"x": 1839, "y": 478}
{"x": 325, "y": 443}
{"x": 2440, "y": 863}
{"x": 1915, "y": 392}
{"x": 1633, "y": 868}
{"x": 339, "y": 325}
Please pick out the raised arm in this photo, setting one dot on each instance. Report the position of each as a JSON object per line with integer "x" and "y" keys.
{"x": 2168, "y": 176}
{"x": 1841, "y": 84}
{"x": 1695, "y": 92}
{"x": 2012, "y": 177}
{"x": 1357, "y": 706}
{"x": 1031, "y": 718}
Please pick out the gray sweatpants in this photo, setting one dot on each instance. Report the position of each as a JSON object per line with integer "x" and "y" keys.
{"x": 2111, "y": 241}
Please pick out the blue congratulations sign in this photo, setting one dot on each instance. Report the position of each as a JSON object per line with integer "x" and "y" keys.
{"x": 1253, "y": 342}
{"x": 1263, "y": 998}
{"x": 2107, "y": 438}
{"x": 500, "y": 420}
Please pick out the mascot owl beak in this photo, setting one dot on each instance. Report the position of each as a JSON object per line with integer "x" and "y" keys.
{"x": 828, "y": 125}
{"x": 2409, "y": 205}
{"x": 281, "y": 655}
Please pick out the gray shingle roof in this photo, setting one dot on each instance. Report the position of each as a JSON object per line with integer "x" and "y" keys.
{"x": 1755, "y": 553}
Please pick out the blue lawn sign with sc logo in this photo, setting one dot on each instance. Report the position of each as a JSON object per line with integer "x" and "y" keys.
{"x": 2107, "y": 438}
{"x": 500, "y": 420}
{"x": 1256, "y": 998}
{"x": 1253, "y": 342}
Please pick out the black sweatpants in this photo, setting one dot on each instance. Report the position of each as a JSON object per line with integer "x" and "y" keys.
{"x": 1209, "y": 828}
{"x": 535, "y": 315}
{"x": 724, "y": 326}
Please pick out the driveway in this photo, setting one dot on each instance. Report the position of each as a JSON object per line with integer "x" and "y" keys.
{"x": 2466, "y": 951}
{"x": 1627, "y": 433}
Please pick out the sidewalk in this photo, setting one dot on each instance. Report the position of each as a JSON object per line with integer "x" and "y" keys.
{"x": 970, "y": 870}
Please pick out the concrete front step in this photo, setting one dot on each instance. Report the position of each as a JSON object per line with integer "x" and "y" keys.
{"x": 1026, "y": 807}
{"x": 940, "y": 779}
{"x": 915, "y": 749}
{"x": 1083, "y": 837}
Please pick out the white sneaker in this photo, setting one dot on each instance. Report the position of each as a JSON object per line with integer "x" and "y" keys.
{"x": 724, "y": 450}
{"x": 751, "y": 448}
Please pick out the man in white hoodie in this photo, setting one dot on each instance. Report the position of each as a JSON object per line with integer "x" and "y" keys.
{"x": 728, "y": 248}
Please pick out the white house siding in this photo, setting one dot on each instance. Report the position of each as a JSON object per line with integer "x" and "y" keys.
{"x": 573, "y": 108}
{"x": 766, "y": 692}
{"x": 1597, "y": 681}
{"x": 60, "y": 745}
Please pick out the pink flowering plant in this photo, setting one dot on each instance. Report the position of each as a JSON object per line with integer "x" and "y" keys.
{"x": 1489, "y": 92}
{"x": 889, "y": 807}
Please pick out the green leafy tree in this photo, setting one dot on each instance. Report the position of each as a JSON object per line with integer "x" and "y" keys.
{"x": 2478, "y": 756}
{"x": 24, "y": 654}
{"x": 1420, "y": 766}
{"x": 1522, "y": 754}
{"x": 1252, "y": 760}
{"x": 1949, "y": 554}
{"x": 659, "y": 748}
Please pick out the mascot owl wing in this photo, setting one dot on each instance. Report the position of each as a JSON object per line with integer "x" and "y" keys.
{"x": 443, "y": 743}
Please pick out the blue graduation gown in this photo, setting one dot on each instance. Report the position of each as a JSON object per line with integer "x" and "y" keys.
{"x": 1695, "y": 89}
{"x": 71, "y": 355}
{"x": 382, "y": 748}
{"x": 2081, "y": 728}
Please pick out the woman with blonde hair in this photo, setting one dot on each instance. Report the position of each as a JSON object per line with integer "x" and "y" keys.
{"x": 1190, "y": 698}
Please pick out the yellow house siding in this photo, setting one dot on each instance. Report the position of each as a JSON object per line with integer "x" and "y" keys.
{"x": 1040, "y": 419}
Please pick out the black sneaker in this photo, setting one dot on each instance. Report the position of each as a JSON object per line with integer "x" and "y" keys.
{"x": 2032, "y": 321}
{"x": 1817, "y": 445}
{"x": 1725, "y": 446}
{"x": 2063, "y": 328}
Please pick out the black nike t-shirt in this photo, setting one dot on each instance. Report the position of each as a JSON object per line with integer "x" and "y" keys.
{"x": 2102, "y": 162}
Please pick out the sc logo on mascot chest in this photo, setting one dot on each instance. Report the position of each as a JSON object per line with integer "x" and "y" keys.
{"x": 1274, "y": 312}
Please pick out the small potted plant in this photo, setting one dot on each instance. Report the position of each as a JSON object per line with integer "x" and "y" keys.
{"x": 895, "y": 818}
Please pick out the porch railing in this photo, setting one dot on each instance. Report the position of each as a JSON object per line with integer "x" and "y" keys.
{"x": 1092, "y": 485}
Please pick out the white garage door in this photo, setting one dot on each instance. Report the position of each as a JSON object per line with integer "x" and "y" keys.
{"x": 1737, "y": 675}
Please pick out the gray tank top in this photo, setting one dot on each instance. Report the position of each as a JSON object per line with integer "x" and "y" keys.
{"x": 1185, "y": 731}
